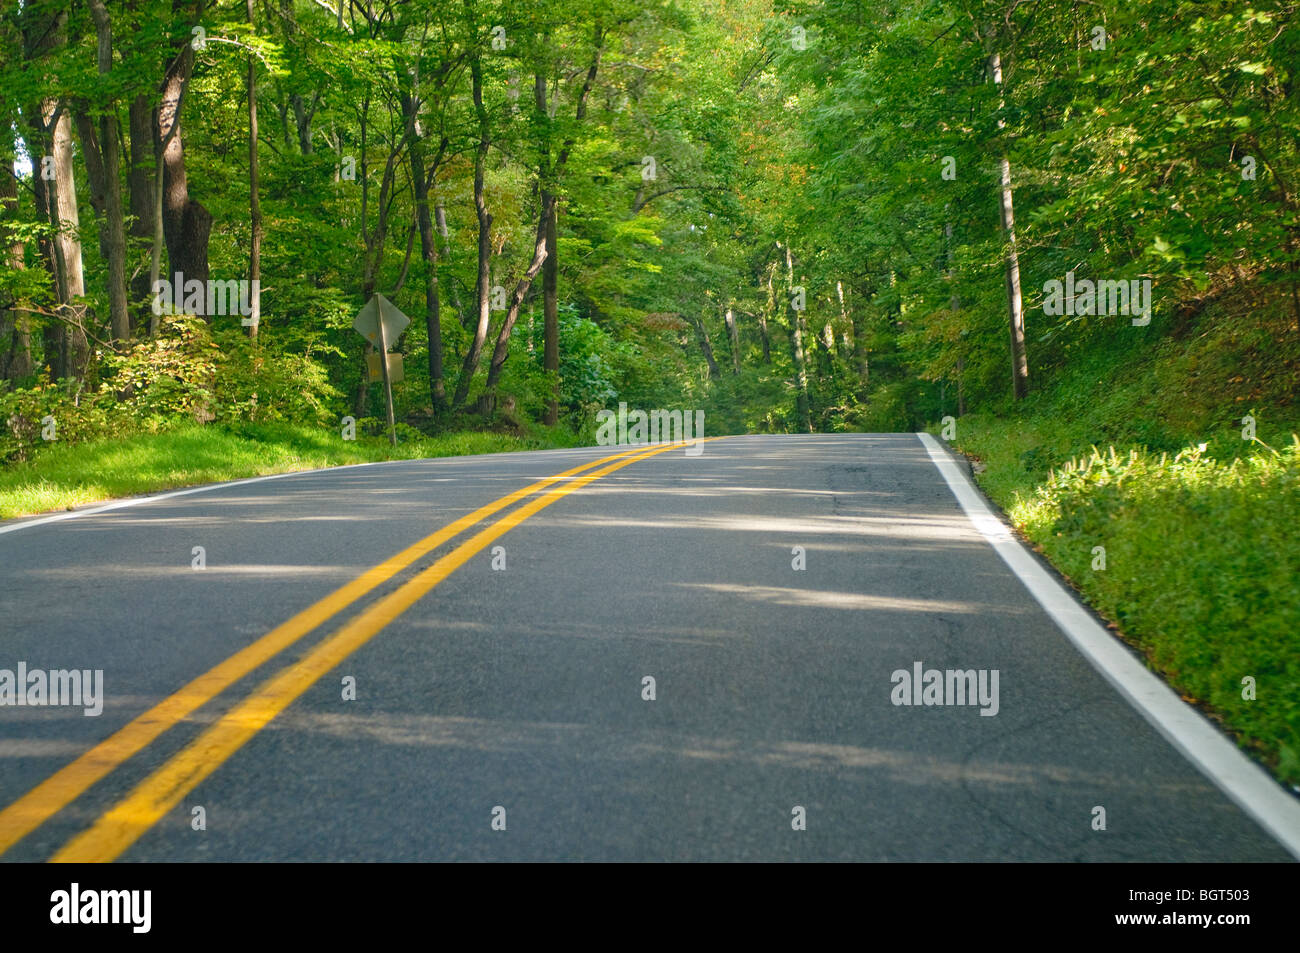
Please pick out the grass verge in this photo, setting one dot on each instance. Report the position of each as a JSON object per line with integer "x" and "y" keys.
{"x": 1193, "y": 554}
{"x": 71, "y": 475}
{"x": 1139, "y": 455}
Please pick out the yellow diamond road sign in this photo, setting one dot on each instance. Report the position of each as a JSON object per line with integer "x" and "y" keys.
{"x": 380, "y": 308}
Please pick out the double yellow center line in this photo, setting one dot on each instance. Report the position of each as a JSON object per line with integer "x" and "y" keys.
{"x": 123, "y": 824}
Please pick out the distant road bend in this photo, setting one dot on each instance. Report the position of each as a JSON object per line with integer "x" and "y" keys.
{"x": 579, "y": 655}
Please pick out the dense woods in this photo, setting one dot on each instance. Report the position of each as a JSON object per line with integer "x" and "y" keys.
{"x": 796, "y": 216}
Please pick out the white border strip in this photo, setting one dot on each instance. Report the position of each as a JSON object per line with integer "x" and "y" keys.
{"x": 1245, "y": 782}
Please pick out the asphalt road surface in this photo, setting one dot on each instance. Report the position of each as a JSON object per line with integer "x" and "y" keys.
{"x": 516, "y": 696}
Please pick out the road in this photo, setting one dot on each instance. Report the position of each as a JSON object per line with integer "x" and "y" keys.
{"x": 523, "y": 688}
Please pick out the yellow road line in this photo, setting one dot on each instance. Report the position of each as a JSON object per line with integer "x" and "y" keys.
{"x": 59, "y": 790}
{"x": 127, "y": 821}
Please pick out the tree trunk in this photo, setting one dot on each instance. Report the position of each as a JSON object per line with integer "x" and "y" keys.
{"x": 861, "y": 352}
{"x": 254, "y": 202}
{"x": 15, "y": 327}
{"x": 1015, "y": 306}
{"x": 768, "y": 308}
{"x": 64, "y": 252}
{"x": 429, "y": 252}
{"x": 551, "y": 263}
{"x": 115, "y": 226}
{"x": 733, "y": 336}
{"x": 140, "y": 186}
{"x": 551, "y": 319}
{"x": 706, "y": 347}
{"x": 502, "y": 349}
{"x": 63, "y": 340}
{"x": 548, "y": 179}
{"x": 440, "y": 220}
{"x": 802, "y": 404}
{"x": 302, "y": 117}
{"x": 482, "y": 287}
{"x": 186, "y": 224}
{"x": 432, "y": 307}
{"x": 954, "y": 304}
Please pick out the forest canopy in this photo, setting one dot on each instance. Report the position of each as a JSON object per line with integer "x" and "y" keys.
{"x": 796, "y": 216}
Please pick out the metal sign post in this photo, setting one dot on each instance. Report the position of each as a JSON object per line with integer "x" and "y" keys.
{"x": 383, "y": 362}
{"x": 379, "y": 322}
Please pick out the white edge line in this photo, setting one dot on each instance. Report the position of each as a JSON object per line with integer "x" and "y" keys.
{"x": 1245, "y": 782}
{"x": 171, "y": 494}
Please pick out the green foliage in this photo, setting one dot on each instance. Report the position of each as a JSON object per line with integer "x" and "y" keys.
{"x": 1202, "y": 572}
{"x": 887, "y": 410}
{"x": 184, "y": 375}
{"x": 586, "y": 376}
{"x": 1202, "y": 561}
{"x": 23, "y": 410}
{"x": 261, "y": 382}
{"x": 170, "y": 377}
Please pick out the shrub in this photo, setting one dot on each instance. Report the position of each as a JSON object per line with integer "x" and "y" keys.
{"x": 76, "y": 416}
{"x": 1202, "y": 572}
{"x": 161, "y": 380}
{"x": 259, "y": 382}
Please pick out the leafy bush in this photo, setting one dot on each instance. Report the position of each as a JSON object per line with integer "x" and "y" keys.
{"x": 1202, "y": 572}
{"x": 76, "y": 417}
{"x": 1036, "y": 460}
{"x": 161, "y": 380}
{"x": 586, "y": 376}
{"x": 887, "y": 410}
{"x": 184, "y": 375}
{"x": 260, "y": 382}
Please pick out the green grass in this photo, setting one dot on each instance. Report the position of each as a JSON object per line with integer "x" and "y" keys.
{"x": 66, "y": 476}
{"x": 1202, "y": 566}
{"x": 1199, "y": 526}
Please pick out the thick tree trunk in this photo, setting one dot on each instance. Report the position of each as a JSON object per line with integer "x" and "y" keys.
{"x": 64, "y": 252}
{"x": 15, "y": 327}
{"x": 302, "y": 116}
{"x": 186, "y": 224}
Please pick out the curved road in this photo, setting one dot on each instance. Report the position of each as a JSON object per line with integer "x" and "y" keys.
{"x": 524, "y": 687}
